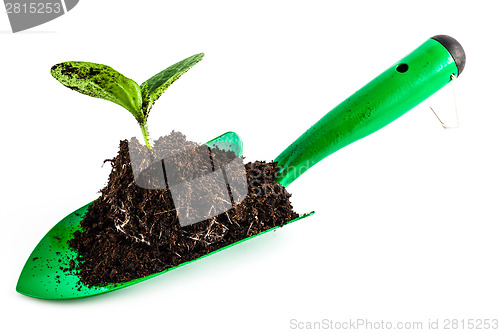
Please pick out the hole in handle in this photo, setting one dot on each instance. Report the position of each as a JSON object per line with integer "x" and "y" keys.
{"x": 402, "y": 68}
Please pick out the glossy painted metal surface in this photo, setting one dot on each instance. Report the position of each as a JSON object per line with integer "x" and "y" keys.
{"x": 48, "y": 272}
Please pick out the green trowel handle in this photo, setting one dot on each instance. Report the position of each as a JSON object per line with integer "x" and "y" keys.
{"x": 389, "y": 96}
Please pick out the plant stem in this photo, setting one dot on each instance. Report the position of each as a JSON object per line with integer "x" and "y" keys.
{"x": 145, "y": 134}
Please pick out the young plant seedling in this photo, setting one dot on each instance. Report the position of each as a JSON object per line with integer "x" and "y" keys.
{"x": 104, "y": 82}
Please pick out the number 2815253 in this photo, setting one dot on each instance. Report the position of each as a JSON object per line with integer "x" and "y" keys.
{"x": 33, "y": 8}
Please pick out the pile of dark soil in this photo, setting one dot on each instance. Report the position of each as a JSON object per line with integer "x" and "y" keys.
{"x": 130, "y": 232}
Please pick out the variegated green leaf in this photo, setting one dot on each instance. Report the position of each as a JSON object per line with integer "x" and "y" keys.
{"x": 101, "y": 81}
{"x": 156, "y": 85}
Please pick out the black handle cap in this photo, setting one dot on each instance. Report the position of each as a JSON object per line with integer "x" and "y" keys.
{"x": 456, "y": 50}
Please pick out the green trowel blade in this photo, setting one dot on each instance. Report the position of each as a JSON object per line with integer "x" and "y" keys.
{"x": 48, "y": 272}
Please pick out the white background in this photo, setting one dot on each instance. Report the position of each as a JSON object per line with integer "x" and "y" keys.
{"x": 407, "y": 224}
